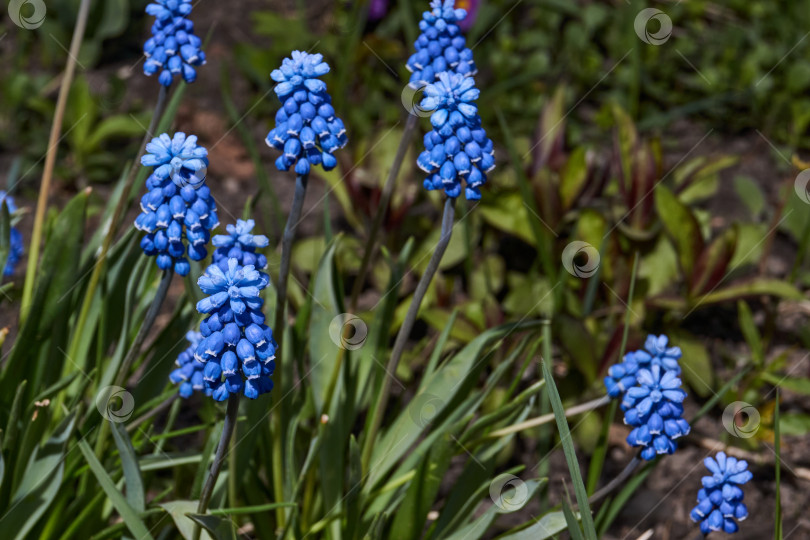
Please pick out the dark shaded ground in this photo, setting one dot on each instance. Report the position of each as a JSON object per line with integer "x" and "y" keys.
{"x": 665, "y": 499}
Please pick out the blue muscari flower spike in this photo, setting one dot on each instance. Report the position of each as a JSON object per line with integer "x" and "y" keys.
{"x": 307, "y": 130}
{"x": 720, "y": 503}
{"x": 441, "y": 46}
{"x": 16, "y": 239}
{"x": 178, "y": 157}
{"x": 238, "y": 351}
{"x": 189, "y": 372}
{"x": 458, "y": 147}
{"x": 654, "y": 409}
{"x": 622, "y": 376}
{"x": 178, "y": 208}
{"x": 241, "y": 245}
{"x": 173, "y": 48}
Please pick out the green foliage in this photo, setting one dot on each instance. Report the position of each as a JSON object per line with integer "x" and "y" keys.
{"x": 647, "y": 258}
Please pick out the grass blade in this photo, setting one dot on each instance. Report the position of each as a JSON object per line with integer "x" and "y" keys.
{"x": 129, "y": 462}
{"x": 128, "y": 514}
{"x": 565, "y": 438}
{"x": 777, "y": 449}
{"x": 571, "y": 519}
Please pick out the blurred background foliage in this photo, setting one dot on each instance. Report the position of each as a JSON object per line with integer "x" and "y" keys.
{"x": 582, "y": 109}
{"x": 599, "y": 138}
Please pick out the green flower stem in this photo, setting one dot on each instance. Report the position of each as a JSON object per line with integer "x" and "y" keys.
{"x": 548, "y": 418}
{"x": 382, "y": 208}
{"x": 293, "y": 219}
{"x": 286, "y": 259}
{"x": 112, "y": 227}
{"x": 134, "y": 350}
{"x": 405, "y": 330}
{"x": 50, "y": 157}
{"x": 146, "y": 326}
{"x": 219, "y": 458}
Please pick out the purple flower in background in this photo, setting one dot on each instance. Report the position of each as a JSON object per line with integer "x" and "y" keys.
{"x": 471, "y": 7}
{"x": 377, "y": 9}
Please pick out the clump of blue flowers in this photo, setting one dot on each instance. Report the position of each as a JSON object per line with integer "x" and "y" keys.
{"x": 653, "y": 407}
{"x": 622, "y": 376}
{"x": 173, "y": 48}
{"x": 720, "y": 503}
{"x": 240, "y": 244}
{"x": 15, "y": 241}
{"x": 457, "y": 148}
{"x": 238, "y": 351}
{"x": 307, "y": 129}
{"x": 189, "y": 372}
{"x": 440, "y": 47}
{"x": 178, "y": 209}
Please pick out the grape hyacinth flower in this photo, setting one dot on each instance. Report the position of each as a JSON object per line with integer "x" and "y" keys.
{"x": 238, "y": 351}
{"x": 307, "y": 130}
{"x": 720, "y": 503}
{"x": 653, "y": 407}
{"x": 622, "y": 376}
{"x": 241, "y": 245}
{"x": 189, "y": 372}
{"x": 178, "y": 207}
{"x": 15, "y": 237}
{"x": 458, "y": 147}
{"x": 440, "y": 47}
{"x": 173, "y": 48}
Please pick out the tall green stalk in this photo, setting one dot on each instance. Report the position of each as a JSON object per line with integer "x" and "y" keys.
{"x": 50, "y": 157}
{"x": 281, "y": 303}
{"x": 219, "y": 458}
{"x": 405, "y": 330}
{"x": 135, "y": 348}
{"x": 148, "y": 321}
